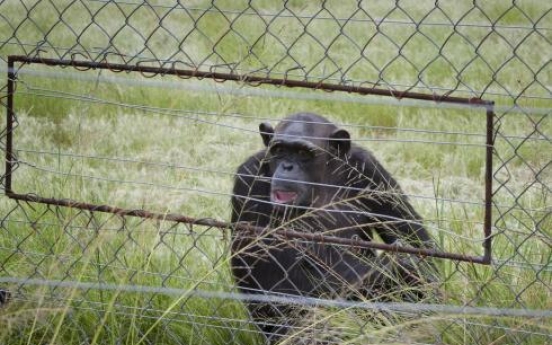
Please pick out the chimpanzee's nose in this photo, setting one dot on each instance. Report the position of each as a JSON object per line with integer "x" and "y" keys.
{"x": 287, "y": 166}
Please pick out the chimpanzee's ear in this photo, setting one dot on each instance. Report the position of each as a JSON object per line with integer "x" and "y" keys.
{"x": 340, "y": 141}
{"x": 266, "y": 132}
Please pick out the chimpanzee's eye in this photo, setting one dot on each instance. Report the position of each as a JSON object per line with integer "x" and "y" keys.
{"x": 277, "y": 150}
{"x": 304, "y": 153}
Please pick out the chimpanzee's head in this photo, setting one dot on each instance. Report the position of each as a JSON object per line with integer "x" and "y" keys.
{"x": 299, "y": 150}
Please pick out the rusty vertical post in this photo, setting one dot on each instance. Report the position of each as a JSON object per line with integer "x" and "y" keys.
{"x": 487, "y": 223}
{"x": 9, "y": 126}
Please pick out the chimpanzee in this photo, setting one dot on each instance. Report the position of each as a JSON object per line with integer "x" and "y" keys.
{"x": 4, "y": 296}
{"x": 312, "y": 178}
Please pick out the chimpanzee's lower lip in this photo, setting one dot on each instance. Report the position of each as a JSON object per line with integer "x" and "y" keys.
{"x": 283, "y": 197}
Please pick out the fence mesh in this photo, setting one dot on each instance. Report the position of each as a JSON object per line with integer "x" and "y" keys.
{"x": 171, "y": 145}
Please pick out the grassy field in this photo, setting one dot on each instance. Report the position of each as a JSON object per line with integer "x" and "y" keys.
{"x": 169, "y": 145}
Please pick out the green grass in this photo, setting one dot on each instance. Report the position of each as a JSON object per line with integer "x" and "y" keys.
{"x": 131, "y": 142}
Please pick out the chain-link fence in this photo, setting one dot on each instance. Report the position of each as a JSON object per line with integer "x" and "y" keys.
{"x": 127, "y": 120}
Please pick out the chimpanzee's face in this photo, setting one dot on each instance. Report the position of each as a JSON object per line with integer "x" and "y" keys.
{"x": 298, "y": 154}
{"x": 296, "y": 166}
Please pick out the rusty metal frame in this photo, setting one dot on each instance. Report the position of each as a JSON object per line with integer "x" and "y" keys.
{"x": 255, "y": 80}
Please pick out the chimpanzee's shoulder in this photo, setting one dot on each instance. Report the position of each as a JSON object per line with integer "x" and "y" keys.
{"x": 371, "y": 171}
{"x": 252, "y": 164}
{"x": 360, "y": 154}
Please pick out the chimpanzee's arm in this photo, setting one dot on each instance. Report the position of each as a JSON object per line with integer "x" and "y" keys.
{"x": 393, "y": 216}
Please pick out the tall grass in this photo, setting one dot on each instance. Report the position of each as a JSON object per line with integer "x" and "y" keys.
{"x": 171, "y": 145}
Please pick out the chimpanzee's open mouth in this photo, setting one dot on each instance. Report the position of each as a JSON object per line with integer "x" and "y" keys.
{"x": 283, "y": 197}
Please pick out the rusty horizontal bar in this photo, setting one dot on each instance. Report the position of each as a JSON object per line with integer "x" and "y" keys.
{"x": 259, "y": 231}
{"x": 286, "y": 233}
{"x": 173, "y": 217}
{"x": 249, "y": 78}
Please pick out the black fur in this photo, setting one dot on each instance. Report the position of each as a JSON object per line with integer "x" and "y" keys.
{"x": 4, "y": 296}
{"x": 312, "y": 178}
